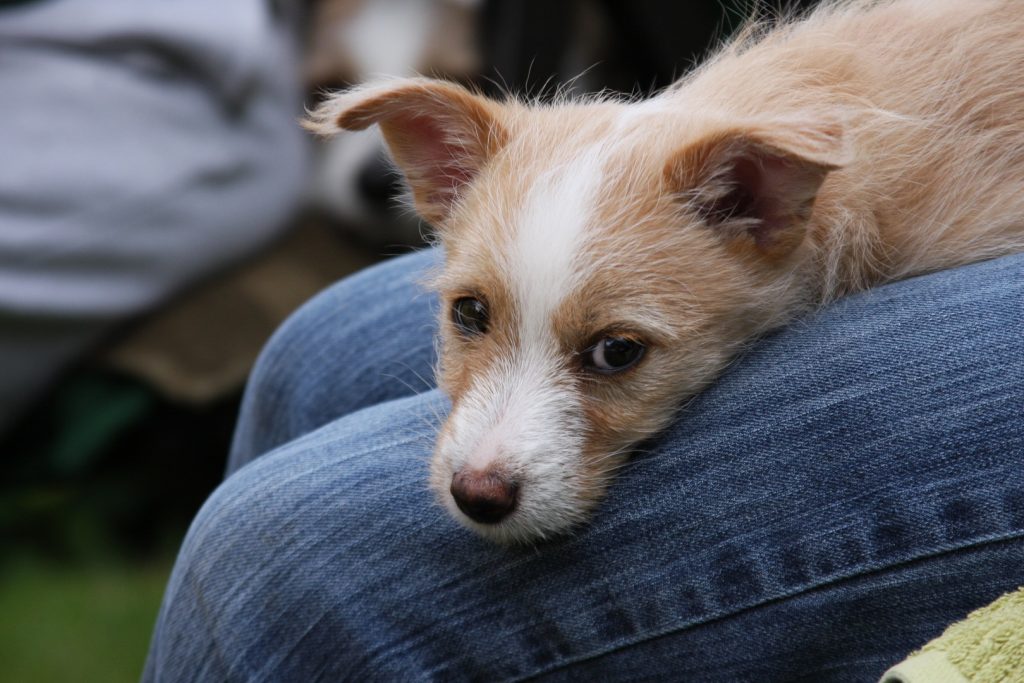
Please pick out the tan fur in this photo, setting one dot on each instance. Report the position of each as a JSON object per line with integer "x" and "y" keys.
{"x": 882, "y": 140}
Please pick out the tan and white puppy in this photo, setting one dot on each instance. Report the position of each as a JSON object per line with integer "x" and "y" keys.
{"x": 605, "y": 260}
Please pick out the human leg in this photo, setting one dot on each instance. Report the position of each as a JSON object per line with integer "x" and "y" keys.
{"x": 366, "y": 340}
{"x": 845, "y": 491}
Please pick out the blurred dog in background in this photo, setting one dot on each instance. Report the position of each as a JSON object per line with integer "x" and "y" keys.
{"x": 526, "y": 47}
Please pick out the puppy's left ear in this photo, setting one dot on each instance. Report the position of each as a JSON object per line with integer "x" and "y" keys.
{"x": 757, "y": 184}
{"x": 439, "y": 134}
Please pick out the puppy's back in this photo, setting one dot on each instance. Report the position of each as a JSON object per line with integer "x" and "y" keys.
{"x": 930, "y": 94}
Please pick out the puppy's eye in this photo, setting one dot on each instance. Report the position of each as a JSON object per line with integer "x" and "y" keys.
{"x": 470, "y": 315}
{"x": 613, "y": 354}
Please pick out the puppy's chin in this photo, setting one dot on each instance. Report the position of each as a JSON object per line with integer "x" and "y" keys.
{"x": 545, "y": 509}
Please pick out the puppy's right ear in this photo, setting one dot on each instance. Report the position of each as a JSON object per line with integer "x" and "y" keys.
{"x": 439, "y": 134}
{"x": 756, "y": 185}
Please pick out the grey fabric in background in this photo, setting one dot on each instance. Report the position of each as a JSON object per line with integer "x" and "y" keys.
{"x": 142, "y": 145}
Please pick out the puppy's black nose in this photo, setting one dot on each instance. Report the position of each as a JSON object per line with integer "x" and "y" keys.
{"x": 486, "y": 497}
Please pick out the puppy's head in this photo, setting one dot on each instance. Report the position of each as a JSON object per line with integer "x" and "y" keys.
{"x": 604, "y": 261}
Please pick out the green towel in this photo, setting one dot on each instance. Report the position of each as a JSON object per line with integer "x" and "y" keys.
{"x": 986, "y": 647}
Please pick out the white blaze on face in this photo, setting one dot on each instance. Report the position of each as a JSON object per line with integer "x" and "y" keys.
{"x": 523, "y": 415}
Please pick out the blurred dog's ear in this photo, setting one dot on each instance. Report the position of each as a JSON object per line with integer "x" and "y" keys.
{"x": 757, "y": 183}
{"x": 439, "y": 134}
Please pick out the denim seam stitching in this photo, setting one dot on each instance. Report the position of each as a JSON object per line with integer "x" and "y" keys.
{"x": 982, "y": 541}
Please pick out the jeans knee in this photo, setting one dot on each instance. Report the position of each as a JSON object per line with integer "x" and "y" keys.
{"x": 366, "y": 339}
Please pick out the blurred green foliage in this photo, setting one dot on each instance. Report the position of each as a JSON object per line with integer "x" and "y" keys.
{"x": 77, "y": 623}
{"x": 97, "y": 488}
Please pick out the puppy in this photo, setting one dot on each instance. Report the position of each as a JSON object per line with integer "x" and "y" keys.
{"x": 605, "y": 259}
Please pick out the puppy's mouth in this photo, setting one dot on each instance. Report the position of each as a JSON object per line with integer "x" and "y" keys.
{"x": 514, "y": 472}
{"x": 514, "y": 507}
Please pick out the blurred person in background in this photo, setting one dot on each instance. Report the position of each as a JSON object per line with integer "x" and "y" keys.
{"x": 144, "y": 146}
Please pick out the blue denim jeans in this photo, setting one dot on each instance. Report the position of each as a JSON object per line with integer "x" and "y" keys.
{"x": 847, "y": 489}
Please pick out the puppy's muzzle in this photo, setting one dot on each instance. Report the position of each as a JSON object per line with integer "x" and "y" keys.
{"x": 485, "y": 496}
